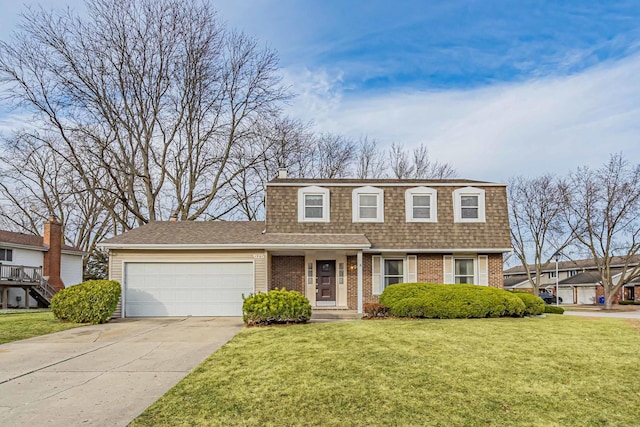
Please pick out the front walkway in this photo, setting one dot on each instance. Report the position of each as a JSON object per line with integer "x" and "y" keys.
{"x": 103, "y": 374}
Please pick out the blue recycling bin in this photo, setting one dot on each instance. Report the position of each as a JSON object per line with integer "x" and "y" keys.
{"x": 601, "y": 300}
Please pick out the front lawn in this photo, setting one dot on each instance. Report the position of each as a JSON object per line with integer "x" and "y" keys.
{"x": 558, "y": 371}
{"x": 16, "y": 326}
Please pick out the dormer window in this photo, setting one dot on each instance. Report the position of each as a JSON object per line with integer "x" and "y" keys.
{"x": 368, "y": 204}
{"x": 469, "y": 205}
{"x": 421, "y": 204}
{"x": 313, "y": 204}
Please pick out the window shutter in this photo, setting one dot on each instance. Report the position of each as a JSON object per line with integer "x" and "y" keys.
{"x": 376, "y": 276}
{"x": 483, "y": 270}
{"x": 447, "y": 262}
{"x": 412, "y": 269}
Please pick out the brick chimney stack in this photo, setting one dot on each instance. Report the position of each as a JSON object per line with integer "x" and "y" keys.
{"x": 53, "y": 257}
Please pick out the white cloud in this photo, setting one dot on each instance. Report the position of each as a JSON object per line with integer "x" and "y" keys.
{"x": 547, "y": 125}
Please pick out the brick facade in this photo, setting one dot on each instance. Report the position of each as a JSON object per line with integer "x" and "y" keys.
{"x": 496, "y": 276}
{"x": 287, "y": 272}
{"x": 53, "y": 257}
{"x": 430, "y": 269}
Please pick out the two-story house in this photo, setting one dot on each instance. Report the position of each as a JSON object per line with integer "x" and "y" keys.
{"x": 339, "y": 242}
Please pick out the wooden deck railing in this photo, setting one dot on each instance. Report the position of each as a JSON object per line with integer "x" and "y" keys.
{"x": 27, "y": 276}
{"x": 20, "y": 274}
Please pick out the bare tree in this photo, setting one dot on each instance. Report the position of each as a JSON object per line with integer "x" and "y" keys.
{"x": 332, "y": 156}
{"x": 151, "y": 103}
{"x": 538, "y": 229}
{"x": 417, "y": 164}
{"x": 602, "y": 208}
{"x": 370, "y": 161}
{"x": 425, "y": 167}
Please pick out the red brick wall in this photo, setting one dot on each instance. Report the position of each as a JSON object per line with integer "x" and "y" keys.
{"x": 352, "y": 282}
{"x": 287, "y": 272}
{"x": 52, "y": 258}
{"x": 430, "y": 268}
{"x": 496, "y": 275}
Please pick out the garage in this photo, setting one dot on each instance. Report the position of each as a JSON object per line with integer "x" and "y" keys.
{"x": 566, "y": 294}
{"x": 186, "y": 289}
{"x": 587, "y": 295}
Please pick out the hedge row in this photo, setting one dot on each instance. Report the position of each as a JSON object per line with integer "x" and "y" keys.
{"x": 275, "y": 306}
{"x": 93, "y": 301}
{"x": 553, "y": 309}
{"x": 427, "y": 300}
{"x": 534, "y": 305}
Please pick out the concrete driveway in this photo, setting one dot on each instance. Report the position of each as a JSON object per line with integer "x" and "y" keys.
{"x": 104, "y": 374}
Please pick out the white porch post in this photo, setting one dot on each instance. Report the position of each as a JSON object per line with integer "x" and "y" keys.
{"x": 359, "y": 262}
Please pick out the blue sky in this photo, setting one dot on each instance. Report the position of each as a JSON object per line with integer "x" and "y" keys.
{"x": 497, "y": 88}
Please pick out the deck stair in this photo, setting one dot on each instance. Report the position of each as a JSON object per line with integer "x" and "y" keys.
{"x": 27, "y": 277}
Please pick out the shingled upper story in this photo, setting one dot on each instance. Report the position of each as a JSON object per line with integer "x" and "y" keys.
{"x": 339, "y": 242}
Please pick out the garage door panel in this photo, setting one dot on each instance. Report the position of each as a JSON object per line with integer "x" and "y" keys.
{"x": 187, "y": 289}
{"x": 587, "y": 295}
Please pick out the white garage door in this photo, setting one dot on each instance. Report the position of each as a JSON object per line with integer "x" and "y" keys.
{"x": 186, "y": 289}
{"x": 566, "y": 294}
{"x": 587, "y": 295}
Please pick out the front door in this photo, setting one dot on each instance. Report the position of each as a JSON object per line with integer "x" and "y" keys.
{"x": 326, "y": 282}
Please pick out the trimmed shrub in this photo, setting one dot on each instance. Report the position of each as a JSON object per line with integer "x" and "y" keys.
{"x": 93, "y": 301}
{"x": 373, "y": 310}
{"x": 627, "y": 302}
{"x": 438, "y": 301}
{"x": 275, "y": 306}
{"x": 553, "y": 309}
{"x": 533, "y": 305}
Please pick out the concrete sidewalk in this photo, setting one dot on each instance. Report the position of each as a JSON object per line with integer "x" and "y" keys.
{"x": 104, "y": 374}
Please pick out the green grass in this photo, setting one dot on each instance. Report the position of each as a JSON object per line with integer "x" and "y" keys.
{"x": 18, "y": 326}
{"x": 554, "y": 371}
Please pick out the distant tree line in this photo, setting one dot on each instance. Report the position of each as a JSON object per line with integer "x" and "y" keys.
{"x": 591, "y": 213}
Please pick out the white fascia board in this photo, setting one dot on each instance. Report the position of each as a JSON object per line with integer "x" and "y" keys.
{"x": 437, "y": 250}
{"x": 19, "y": 246}
{"x": 386, "y": 184}
{"x": 230, "y": 246}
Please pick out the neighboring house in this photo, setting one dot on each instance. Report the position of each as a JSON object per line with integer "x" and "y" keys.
{"x": 339, "y": 242}
{"x": 578, "y": 280}
{"x": 34, "y": 267}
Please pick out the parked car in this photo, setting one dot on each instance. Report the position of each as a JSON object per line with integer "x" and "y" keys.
{"x": 549, "y": 298}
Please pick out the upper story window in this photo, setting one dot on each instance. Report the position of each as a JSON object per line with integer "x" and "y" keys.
{"x": 368, "y": 204}
{"x": 313, "y": 204}
{"x": 421, "y": 204}
{"x": 468, "y": 205}
{"x": 552, "y": 274}
{"x": 572, "y": 273}
{"x": 6, "y": 254}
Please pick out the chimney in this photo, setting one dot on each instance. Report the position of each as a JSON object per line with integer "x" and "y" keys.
{"x": 52, "y": 258}
{"x": 282, "y": 173}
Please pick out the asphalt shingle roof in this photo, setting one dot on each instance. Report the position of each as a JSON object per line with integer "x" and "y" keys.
{"x": 22, "y": 239}
{"x": 225, "y": 233}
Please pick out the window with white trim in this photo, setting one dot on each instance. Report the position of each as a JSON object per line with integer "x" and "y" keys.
{"x": 368, "y": 204}
{"x": 421, "y": 204}
{"x": 388, "y": 271}
{"x": 552, "y": 274}
{"x": 313, "y": 204}
{"x": 393, "y": 271}
{"x": 469, "y": 205}
{"x": 464, "y": 270}
{"x": 6, "y": 254}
